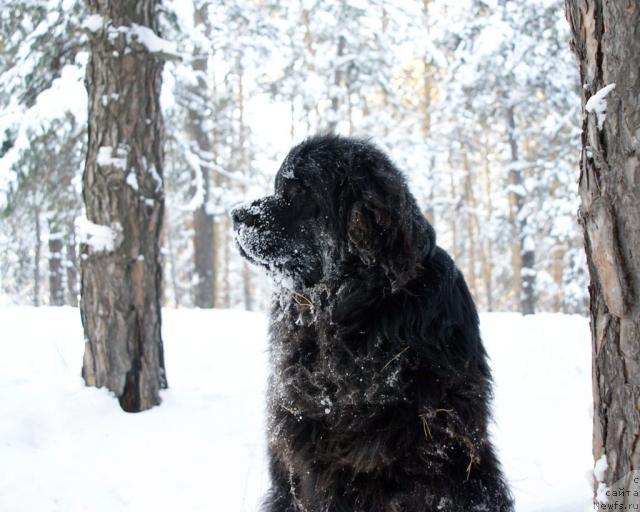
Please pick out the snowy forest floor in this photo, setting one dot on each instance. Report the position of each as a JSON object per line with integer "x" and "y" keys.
{"x": 68, "y": 448}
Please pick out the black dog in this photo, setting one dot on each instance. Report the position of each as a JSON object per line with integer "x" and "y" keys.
{"x": 380, "y": 388}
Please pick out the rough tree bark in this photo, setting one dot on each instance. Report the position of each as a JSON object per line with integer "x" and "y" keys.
{"x": 606, "y": 41}
{"x": 123, "y": 190}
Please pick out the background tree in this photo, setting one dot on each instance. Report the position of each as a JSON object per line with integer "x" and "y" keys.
{"x": 42, "y": 145}
{"x": 199, "y": 106}
{"x": 476, "y": 101}
{"x": 123, "y": 196}
{"x": 508, "y": 122}
{"x": 607, "y": 45}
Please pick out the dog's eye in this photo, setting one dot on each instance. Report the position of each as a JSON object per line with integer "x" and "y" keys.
{"x": 293, "y": 188}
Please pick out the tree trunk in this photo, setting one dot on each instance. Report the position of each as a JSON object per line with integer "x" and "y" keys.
{"x": 487, "y": 245}
{"x": 470, "y": 241}
{"x": 606, "y": 41}
{"x": 557, "y": 274}
{"x": 427, "y": 76}
{"x": 123, "y": 196}
{"x": 427, "y": 92}
{"x": 338, "y": 77}
{"x": 72, "y": 273}
{"x": 56, "y": 283}
{"x": 37, "y": 256}
{"x": 243, "y": 164}
{"x": 309, "y": 59}
{"x": 170, "y": 259}
{"x": 216, "y": 263}
{"x": 523, "y": 251}
{"x": 247, "y": 288}
{"x": 453, "y": 214}
{"x": 226, "y": 281}
{"x": 199, "y": 110}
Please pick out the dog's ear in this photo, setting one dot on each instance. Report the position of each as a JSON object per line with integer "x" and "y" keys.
{"x": 384, "y": 225}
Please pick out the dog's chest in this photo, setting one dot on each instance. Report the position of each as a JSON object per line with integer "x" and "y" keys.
{"x": 318, "y": 372}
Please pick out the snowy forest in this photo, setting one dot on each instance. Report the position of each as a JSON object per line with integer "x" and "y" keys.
{"x": 140, "y": 141}
{"x": 477, "y": 102}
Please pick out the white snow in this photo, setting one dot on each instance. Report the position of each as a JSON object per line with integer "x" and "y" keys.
{"x": 65, "y": 447}
{"x": 599, "y": 470}
{"x": 601, "y": 493}
{"x": 528, "y": 245}
{"x": 135, "y": 33}
{"x": 598, "y": 104}
{"x": 106, "y": 159}
{"x": 156, "y": 177}
{"x": 93, "y": 22}
{"x": 67, "y": 95}
{"x": 600, "y": 467}
{"x": 543, "y": 407}
{"x": 132, "y": 181}
{"x": 99, "y": 237}
{"x": 152, "y": 42}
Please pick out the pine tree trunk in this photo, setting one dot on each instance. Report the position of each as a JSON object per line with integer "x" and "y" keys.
{"x": 453, "y": 214}
{"x": 338, "y": 77}
{"x": 203, "y": 245}
{"x": 226, "y": 281}
{"x": 121, "y": 285}
{"x": 170, "y": 259}
{"x": 557, "y": 274}
{"x": 427, "y": 92}
{"x": 309, "y": 59}
{"x": 37, "y": 257}
{"x": 606, "y": 41}
{"x": 72, "y": 273}
{"x": 470, "y": 241}
{"x": 487, "y": 262}
{"x": 218, "y": 182}
{"x": 56, "y": 284}
{"x": 247, "y": 288}
{"x": 216, "y": 264}
{"x": 523, "y": 253}
{"x": 199, "y": 110}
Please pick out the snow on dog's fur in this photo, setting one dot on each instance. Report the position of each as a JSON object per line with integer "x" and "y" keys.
{"x": 380, "y": 388}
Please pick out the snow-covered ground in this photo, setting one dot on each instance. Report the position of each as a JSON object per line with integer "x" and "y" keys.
{"x": 67, "y": 448}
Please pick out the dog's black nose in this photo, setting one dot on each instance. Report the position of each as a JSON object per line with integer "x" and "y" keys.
{"x": 239, "y": 215}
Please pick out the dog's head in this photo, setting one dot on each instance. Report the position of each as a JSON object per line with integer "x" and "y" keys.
{"x": 338, "y": 202}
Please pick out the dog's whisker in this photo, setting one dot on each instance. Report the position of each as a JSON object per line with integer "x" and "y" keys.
{"x": 394, "y": 358}
{"x": 425, "y": 426}
{"x": 301, "y": 300}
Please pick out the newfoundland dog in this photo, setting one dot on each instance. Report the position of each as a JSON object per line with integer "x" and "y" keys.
{"x": 380, "y": 390}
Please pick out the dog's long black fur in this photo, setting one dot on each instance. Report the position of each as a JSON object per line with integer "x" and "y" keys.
{"x": 380, "y": 388}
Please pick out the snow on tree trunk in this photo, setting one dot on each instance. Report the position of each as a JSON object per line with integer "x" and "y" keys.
{"x": 606, "y": 42}
{"x": 123, "y": 196}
